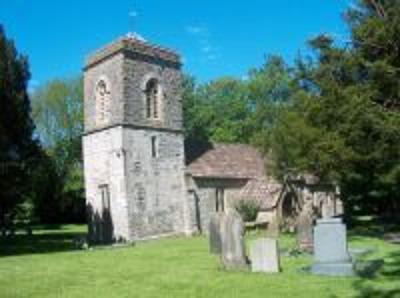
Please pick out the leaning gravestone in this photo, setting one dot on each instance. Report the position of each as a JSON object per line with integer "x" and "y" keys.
{"x": 214, "y": 233}
{"x": 304, "y": 227}
{"x": 264, "y": 255}
{"x": 330, "y": 248}
{"x": 232, "y": 242}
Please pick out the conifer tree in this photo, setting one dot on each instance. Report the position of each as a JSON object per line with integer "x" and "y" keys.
{"x": 16, "y": 127}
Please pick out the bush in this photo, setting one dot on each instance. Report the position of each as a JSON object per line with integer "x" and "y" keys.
{"x": 24, "y": 214}
{"x": 248, "y": 209}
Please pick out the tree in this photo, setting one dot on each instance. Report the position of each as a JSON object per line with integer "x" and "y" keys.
{"x": 236, "y": 111}
{"x": 57, "y": 109}
{"x": 270, "y": 92}
{"x": 17, "y": 147}
{"x": 214, "y": 112}
{"x": 344, "y": 124}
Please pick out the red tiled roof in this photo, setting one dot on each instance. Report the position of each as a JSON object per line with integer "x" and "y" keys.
{"x": 229, "y": 161}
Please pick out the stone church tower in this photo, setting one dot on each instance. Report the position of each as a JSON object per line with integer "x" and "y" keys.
{"x": 133, "y": 142}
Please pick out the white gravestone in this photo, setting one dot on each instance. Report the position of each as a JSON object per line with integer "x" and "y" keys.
{"x": 264, "y": 255}
{"x": 330, "y": 248}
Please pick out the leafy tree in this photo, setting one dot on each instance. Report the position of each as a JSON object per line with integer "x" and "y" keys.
{"x": 270, "y": 90}
{"x": 57, "y": 109}
{"x": 218, "y": 111}
{"x": 214, "y": 112}
{"x": 236, "y": 111}
{"x": 17, "y": 148}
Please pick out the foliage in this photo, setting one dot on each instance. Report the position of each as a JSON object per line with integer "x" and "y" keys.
{"x": 57, "y": 109}
{"x": 24, "y": 213}
{"x": 270, "y": 93}
{"x": 17, "y": 147}
{"x": 344, "y": 123}
{"x": 248, "y": 209}
{"x": 217, "y": 111}
{"x": 229, "y": 110}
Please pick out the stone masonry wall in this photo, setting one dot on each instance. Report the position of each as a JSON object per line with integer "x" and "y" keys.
{"x": 155, "y": 184}
{"x": 104, "y": 165}
{"x": 147, "y": 194}
{"x": 136, "y": 74}
{"x": 111, "y": 70}
{"x": 204, "y": 190}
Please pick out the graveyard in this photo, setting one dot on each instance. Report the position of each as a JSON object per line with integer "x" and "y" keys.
{"x": 232, "y": 150}
{"x": 47, "y": 265}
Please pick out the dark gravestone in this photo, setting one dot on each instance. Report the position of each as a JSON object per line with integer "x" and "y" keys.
{"x": 233, "y": 249}
{"x": 214, "y": 233}
{"x": 304, "y": 228}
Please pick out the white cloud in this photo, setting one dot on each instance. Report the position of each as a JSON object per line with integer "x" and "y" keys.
{"x": 203, "y": 37}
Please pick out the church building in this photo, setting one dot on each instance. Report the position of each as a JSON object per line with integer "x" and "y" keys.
{"x": 137, "y": 183}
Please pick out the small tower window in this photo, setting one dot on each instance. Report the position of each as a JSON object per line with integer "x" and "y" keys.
{"x": 154, "y": 147}
{"x": 152, "y": 99}
{"x": 105, "y": 196}
{"x": 102, "y": 102}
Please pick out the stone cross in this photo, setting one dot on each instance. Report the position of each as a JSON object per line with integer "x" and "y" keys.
{"x": 232, "y": 242}
{"x": 264, "y": 255}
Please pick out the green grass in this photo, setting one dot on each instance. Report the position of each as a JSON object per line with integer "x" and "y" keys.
{"x": 47, "y": 266}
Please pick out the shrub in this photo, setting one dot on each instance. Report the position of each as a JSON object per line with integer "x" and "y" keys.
{"x": 248, "y": 209}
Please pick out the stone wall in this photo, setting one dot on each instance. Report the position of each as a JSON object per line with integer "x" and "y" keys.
{"x": 104, "y": 165}
{"x": 155, "y": 184}
{"x": 203, "y": 190}
{"x": 147, "y": 193}
{"x": 136, "y": 74}
{"x": 111, "y": 71}
{"x": 127, "y": 74}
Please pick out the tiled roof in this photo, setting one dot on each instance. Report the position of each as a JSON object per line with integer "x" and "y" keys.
{"x": 264, "y": 190}
{"x": 228, "y": 161}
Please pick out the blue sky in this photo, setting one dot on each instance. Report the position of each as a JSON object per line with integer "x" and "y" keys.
{"x": 215, "y": 38}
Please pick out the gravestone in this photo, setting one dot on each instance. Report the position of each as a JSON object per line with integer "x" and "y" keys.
{"x": 232, "y": 242}
{"x": 264, "y": 255}
{"x": 328, "y": 207}
{"x": 214, "y": 233}
{"x": 273, "y": 229}
{"x": 330, "y": 249}
{"x": 304, "y": 227}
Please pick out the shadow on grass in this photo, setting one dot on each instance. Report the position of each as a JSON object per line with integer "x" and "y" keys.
{"x": 372, "y": 227}
{"x": 56, "y": 241}
{"x": 390, "y": 275}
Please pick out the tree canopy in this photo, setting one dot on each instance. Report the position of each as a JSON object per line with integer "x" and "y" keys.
{"x": 344, "y": 123}
{"x": 57, "y": 108}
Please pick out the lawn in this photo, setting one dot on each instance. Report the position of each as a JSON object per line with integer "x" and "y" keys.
{"x": 46, "y": 265}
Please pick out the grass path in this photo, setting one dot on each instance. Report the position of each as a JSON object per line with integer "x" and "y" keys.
{"x": 173, "y": 268}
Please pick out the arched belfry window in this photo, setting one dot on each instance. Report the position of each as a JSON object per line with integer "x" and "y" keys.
{"x": 153, "y": 92}
{"x": 102, "y": 102}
